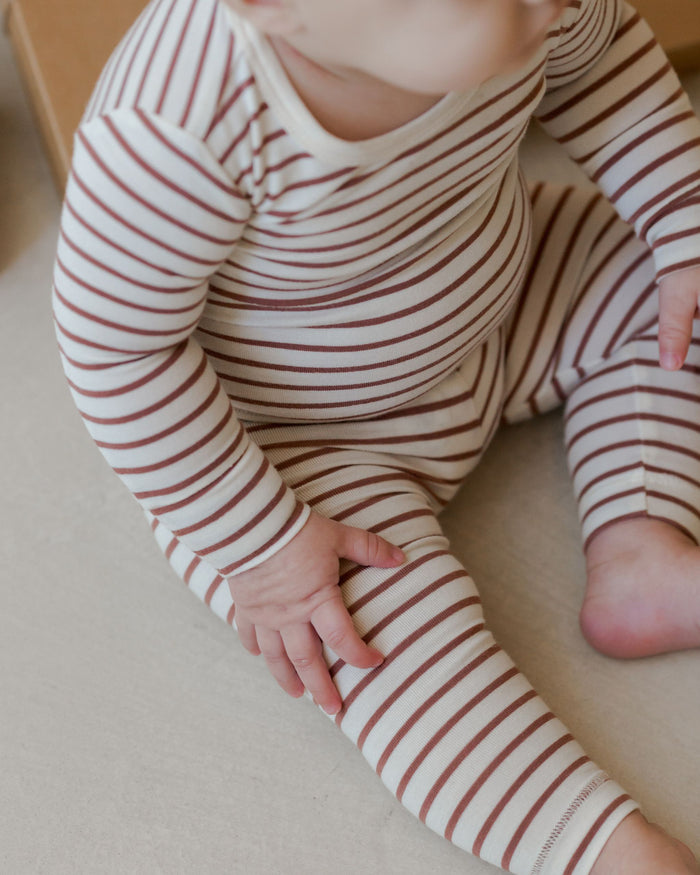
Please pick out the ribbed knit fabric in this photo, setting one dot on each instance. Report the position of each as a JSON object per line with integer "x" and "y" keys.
{"x": 257, "y": 318}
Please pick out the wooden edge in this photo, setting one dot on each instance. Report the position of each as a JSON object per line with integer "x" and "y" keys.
{"x": 686, "y": 59}
{"x": 40, "y": 102}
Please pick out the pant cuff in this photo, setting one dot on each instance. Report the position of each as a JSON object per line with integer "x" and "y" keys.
{"x": 640, "y": 493}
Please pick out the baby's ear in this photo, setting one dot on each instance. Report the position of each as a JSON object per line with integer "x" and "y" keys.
{"x": 273, "y": 17}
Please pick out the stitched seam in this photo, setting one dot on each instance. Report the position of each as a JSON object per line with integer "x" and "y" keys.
{"x": 565, "y": 820}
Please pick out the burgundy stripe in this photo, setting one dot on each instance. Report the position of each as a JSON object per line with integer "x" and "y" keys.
{"x": 392, "y": 206}
{"x": 115, "y": 247}
{"x": 203, "y": 53}
{"x": 535, "y": 259}
{"x": 469, "y": 748}
{"x": 663, "y": 197}
{"x": 243, "y": 493}
{"x": 157, "y": 242}
{"x": 146, "y": 203}
{"x": 107, "y": 78}
{"x": 626, "y": 469}
{"x": 623, "y": 493}
{"x": 215, "y": 584}
{"x": 189, "y": 571}
{"x": 641, "y": 140}
{"x": 221, "y": 183}
{"x": 176, "y": 55}
{"x": 189, "y": 450}
{"x": 608, "y": 298}
{"x": 403, "y": 687}
{"x": 172, "y": 186}
{"x": 407, "y": 568}
{"x": 133, "y": 281}
{"x": 146, "y": 24}
{"x": 251, "y": 525}
{"x": 175, "y": 354}
{"x": 215, "y": 463}
{"x": 651, "y": 166}
{"x": 166, "y": 432}
{"x": 632, "y": 390}
{"x": 613, "y": 109}
{"x": 458, "y": 716}
{"x": 592, "y": 832}
{"x": 190, "y": 499}
{"x": 513, "y": 789}
{"x": 621, "y": 445}
{"x": 400, "y": 649}
{"x": 425, "y": 706}
{"x": 633, "y": 308}
{"x": 547, "y": 306}
{"x": 537, "y": 807}
{"x": 127, "y": 329}
{"x": 643, "y": 514}
{"x": 468, "y": 797}
{"x": 679, "y": 265}
{"x": 225, "y": 108}
{"x": 154, "y": 50}
{"x": 234, "y": 566}
{"x": 637, "y": 416}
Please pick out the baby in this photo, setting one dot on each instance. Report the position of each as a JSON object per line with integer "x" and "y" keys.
{"x": 300, "y": 281}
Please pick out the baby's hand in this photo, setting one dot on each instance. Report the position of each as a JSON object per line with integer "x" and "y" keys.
{"x": 679, "y": 297}
{"x": 292, "y": 602}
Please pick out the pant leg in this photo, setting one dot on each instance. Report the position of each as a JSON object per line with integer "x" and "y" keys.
{"x": 451, "y": 726}
{"x": 585, "y": 332}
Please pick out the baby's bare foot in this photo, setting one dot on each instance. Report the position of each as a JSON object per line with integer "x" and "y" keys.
{"x": 643, "y": 591}
{"x": 640, "y": 848}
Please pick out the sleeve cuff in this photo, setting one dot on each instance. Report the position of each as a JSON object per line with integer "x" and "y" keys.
{"x": 252, "y": 514}
{"x": 675, "y": 240}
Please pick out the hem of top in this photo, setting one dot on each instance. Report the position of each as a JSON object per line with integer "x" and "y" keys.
{"x": 300, "y": 122}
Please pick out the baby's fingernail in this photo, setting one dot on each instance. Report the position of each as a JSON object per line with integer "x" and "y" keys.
{"x": 398, "y": 555}
{"x": 671, "y": 361}
{"x": 378, "y": 658}
{"x": 331, "y": 710}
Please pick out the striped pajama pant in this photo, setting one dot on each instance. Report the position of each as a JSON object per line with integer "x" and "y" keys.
{"x": 447, "y": 721}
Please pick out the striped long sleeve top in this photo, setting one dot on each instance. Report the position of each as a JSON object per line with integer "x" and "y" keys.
{"x": 224, "y": 260}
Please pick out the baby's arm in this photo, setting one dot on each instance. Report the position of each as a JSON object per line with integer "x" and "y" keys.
{"x": 617, "y": 106}
{"x": 131, "y": 282}
{"x": 140, "y": 237}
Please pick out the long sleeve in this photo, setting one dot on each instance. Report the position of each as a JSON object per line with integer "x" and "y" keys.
{"x": 131, "y": 280}
{"x": 617, "y": 106}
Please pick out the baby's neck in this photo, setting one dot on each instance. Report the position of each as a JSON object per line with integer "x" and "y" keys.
{"x": 353, "y": 107}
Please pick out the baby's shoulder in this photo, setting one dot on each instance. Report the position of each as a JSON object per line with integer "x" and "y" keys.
{"x": 173, "y": 62}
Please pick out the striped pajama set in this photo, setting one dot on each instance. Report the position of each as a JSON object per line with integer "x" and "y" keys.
{"x": 257, "y": 318}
